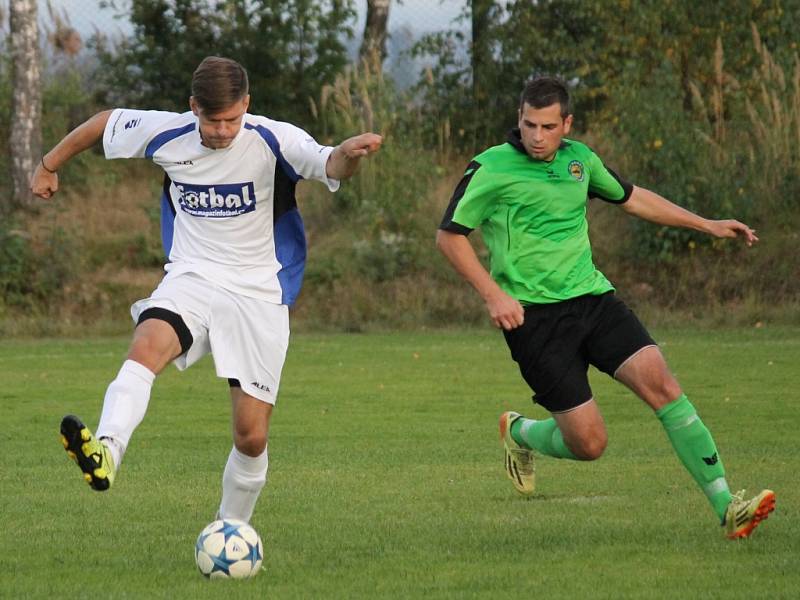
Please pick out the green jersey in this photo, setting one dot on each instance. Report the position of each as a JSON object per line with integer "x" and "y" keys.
{"x": 532, "y": 215}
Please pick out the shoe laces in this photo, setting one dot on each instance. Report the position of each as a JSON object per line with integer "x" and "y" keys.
{"x": 737, "y": 503}
{"x": 523, "y": 457}
{"x": 738, "y": 496}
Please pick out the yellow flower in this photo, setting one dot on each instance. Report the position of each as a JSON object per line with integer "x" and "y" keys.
{"x": 657, "y": 143}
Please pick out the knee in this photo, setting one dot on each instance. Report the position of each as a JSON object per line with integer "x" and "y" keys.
{"x": 590, "y": 448}
{"x": 663, "y": 391}
{"x": 249, "y": 442}
{"x": 671, "y": 388}
{"x": 154, "y": 344}
{"x": 150, "y": 353}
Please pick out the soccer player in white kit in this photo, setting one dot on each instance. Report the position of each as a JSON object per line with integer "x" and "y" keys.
{"x": 236, "y": 250}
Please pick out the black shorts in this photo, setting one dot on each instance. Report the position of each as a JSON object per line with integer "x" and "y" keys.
{"x": 557, "y": 342}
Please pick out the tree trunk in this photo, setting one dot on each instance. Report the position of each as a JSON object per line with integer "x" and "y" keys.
{"x": 480, "y": 58}
{"x": 25, "y": 141}
{"x": 373, "y": 46}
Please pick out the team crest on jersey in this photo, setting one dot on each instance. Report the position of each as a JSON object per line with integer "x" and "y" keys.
{"x": 216, "y": 201}
{"x": 575, "y": 169}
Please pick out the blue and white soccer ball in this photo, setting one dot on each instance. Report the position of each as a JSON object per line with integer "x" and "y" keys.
{"x": 228, "y": 548}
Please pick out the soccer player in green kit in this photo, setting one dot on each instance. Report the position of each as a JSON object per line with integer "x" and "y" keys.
{"x": 559, "y": 313}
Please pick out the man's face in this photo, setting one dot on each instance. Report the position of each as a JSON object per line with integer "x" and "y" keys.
{"x": 541, "y": 130}
{"x": 218, "y": 129}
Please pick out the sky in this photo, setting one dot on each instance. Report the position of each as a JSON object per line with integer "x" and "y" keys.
{"x": 416, "y": 15}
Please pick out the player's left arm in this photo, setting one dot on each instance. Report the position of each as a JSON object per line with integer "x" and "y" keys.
{"x": 345, "y": 158}
{"x": 652, "y": 207}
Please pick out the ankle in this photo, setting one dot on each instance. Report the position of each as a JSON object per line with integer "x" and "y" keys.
{"x": 516, "y": 432}
{"x": 116, "y": 449}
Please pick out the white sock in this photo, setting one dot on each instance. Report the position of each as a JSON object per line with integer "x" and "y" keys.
{"x": 124, "y": 407}
{"x": 242, "y": 481}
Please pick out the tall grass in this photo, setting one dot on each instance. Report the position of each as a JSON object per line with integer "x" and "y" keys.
{"x": 372, "y": 257}
{"x": 770, "y": 135}
{"x": 775, "y": 116}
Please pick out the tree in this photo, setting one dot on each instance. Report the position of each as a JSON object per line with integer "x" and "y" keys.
{"x": 25, "y": 140}
{"x": 375, "y": 34}
{"x": 290, "y": 48}
{"x": 482, "y": 15}
{"x": 609, "y": 53}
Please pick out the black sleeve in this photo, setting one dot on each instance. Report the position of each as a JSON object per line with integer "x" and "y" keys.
{"x": 447, "y": 223}
{"x": 627, "y": 188}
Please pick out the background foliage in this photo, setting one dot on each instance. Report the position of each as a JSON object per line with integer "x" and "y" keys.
{"x": 703, "y": 109}
{"x": 290, "y": 48}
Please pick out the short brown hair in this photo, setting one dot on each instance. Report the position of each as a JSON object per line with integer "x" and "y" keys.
{"x": 546, "y": 91}
{"x": 217, "y": 83}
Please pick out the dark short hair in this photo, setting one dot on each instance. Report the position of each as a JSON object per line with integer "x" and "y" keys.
{"x": 546, "y": 91}
{"x": 217, "y": 83}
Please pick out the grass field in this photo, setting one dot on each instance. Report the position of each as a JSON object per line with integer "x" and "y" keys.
{"x": 386, "y": 477}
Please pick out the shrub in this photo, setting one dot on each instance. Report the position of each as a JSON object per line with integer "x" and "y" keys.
{"x": 383, "y": 205}
{"x": 32, "y": 276}
{"x": 734, "y": 154}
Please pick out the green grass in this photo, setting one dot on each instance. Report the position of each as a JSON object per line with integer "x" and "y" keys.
{"x": 386, "y": 478}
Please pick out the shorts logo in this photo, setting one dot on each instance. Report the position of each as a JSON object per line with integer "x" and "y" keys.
{"x": 261, "y": 386}
{"x": 575, "y": 169}
{"x": 132, "y": 123}
{"x": 216, "y": 201}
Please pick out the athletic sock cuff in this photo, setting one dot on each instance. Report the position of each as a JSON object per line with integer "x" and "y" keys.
{"x": 138, "y": 370}
{"x": 678, "y": 413}
{"x": 252, "y": 465}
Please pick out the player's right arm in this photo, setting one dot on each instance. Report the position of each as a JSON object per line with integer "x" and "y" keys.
{"x": 44, "y": 182}
{"x": 471, "y": 204}
{"x": 504, "y": 311}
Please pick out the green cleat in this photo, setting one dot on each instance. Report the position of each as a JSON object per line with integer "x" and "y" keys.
{"x": 743, "y": 516}
{"x": 518, "y": 460}
{"x": 92, "y": 456}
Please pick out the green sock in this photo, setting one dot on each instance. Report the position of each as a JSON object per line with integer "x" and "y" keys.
{"x": 695, "y": 447}
{"x": 542, "y": 436}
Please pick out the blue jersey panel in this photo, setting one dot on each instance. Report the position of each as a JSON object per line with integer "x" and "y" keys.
{"x": 290, "y": 250}
{"x": 167, "y": 224}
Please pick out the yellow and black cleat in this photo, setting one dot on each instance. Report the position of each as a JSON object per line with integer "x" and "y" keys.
{"x": 743, "y": 516}
{"x": 519, "y": 461}
{"x": 91, "y": 455}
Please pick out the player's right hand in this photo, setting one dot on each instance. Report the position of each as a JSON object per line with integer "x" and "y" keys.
{"x": 506, "y": 312}
{"x": 43, "y": 183}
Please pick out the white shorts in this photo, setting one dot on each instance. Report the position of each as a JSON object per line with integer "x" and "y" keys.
{"x": 248, "y": 337}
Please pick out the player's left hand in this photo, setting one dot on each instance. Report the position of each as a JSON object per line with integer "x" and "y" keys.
{"x": 730, "y": 228}
{"x": 361, "y": 145}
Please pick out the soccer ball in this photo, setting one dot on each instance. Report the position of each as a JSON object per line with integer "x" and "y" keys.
{"x": 228, "y": 548}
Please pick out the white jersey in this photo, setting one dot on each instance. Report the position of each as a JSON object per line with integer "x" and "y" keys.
{"x": 230, "y": 214}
